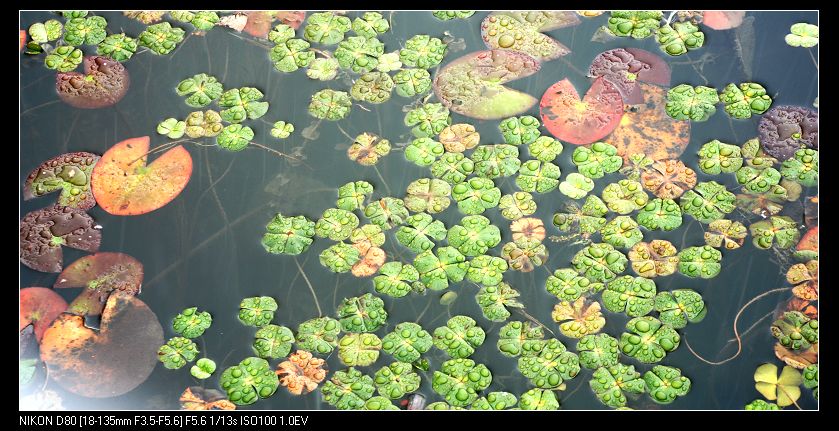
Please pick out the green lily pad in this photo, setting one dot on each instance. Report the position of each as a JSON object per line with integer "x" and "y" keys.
{"x": 621, "y": 232}
{"x": 386, "y": 212}
{"x": 761, "y": 405}
{"x": 648, "y": 340}
{"x": 373, "y": 87}
{"x": 425, "y": 151}
{"x": 796, "y": 331}
{"x": 396, "y": 380}
{"x": 701, "y": 261}
{"x": 203, "y": 368}
{"x": 370, "y": 24}
{"x": 597, "y": 351}
{"x": 234, "y": 137}
{"x": 520, "y": 339}
{"x": 803, "y": 35}
{"x": 784, "y": 388}
{"x": 291, "y": 54}
{"x": 428, "y": 194}
{"x": 517, "y": 205}
{"x": 680, "y": 306}
{"x": 242, "y": 103}
{"x": 598, "y": 160}
{"x": 280, "y": 34}
{"x": 64, "y": 58}
{"x": 486, "y": 270}
{"x": 326, "y": 28}
{"x": 363, "y": 313}
{"x": 330, "y": 105}
{"x": 811, "y": 378}
{"x": 579, "y": 318}
{"x": 318, "y": 335}
{"x": 249, "y": 381}
{"x": 203, "y": 124}
{"x": 411, "y": 82}
{"x": 803, "y": 168}
{"x": 636, "y": 164}
{"x": 360, "y": 54}
{"x": 204, "y": 20}
{"x": 758, "y": 181}
{"x": 553, "y": 365}
{"x": 625, "y": 196}
{"x": 407, "y": 342}
{"x": 368, "y": 234}
{"x": 351, "y": 196}
{"x": 745, "y": 100}
{"x": 476, "y": 195}
{"x": 177, "y": 352}
{"x": 423, "y": 51}
{"x": 585, "y": 220}
{"x": 525, "y": 254}
{"x": 201, "y": 90}
{"x": 610, "y": 383}
{"x": 567, "y": 285}
{"x": 420, "y": 231}
{"x": 495, "y": 401}
{"x": 43, "y": 32}
{"x": 273, "y": 341}
{"x": 445, "y": 15}
{"x": 117, "y": 46}
{"x": 493, "y": 161}
{"x": 639, "y": 24}
{"x": 523, "y": 32}
{"x": 348, "y": 389}
{"x": 182, "y": 15}
{"x": 545, "y": 148}
{"x": 452, "y": 168}
{"x": 474, "y": 235}
{"x": 288, "y": 235}
{"x": 257, "y": 311}
{"x": 172, "y": 128}
{"x": 359, "y": 349}
{"x": 323, "y": 69}
{"x": 428, "y": 120}
{"x": 460, "y": 337}
{"x": 190, "y": 323}
{"x": 599, "y": 262}
{"x": 282, "y": 130}
{"x": 726, "y": 234}
{"x": 437, "y": 270}
{"x": 680, "y": 37}
{"x": 708, "y": 201}
{"x": 634, "y": 296}
{"x": 85, "y": 31}
{"x": 660, "y": 214}
{"x": 336, "y": 224}
{"x": 459, "y": 381}
{"x": 691, "y": 103}
{"x": 536, "y": 176}
{"x": 495, "y": 300}
{"x": 576, "y": 186}
{"x": 538, "y": 399}
{"x": 716, "y": 157}
{"x": 780, "y": 231}
{"x": 395, "y": 279}
{"x": 161, "y": 38}
{"x": 520, "y": 130}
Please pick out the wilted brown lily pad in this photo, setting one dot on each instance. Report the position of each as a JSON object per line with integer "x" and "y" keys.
{"x": 104, "y": 83}
{"x": 44, "y": 231}
{"x": 528, "y": 228}
{"x": 372, "y": 258}
{"x": 786, "y": 129}
{"x": 198, "y": 398}
{"x": 626, "y": 68}
{"x": 100, "y": 274}
{"x": 108, "y": 362}
{"x": 69, "y": 173}
{"x": 800, "y": 359}
{"x": 668, "y": 179}
{"x": 301, "y": 373}
{"x": 39, "y": 306}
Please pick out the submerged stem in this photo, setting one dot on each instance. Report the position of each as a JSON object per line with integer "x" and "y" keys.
{"x": 308, "y": 283}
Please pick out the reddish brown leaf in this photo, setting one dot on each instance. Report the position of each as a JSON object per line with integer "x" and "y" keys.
{"x": 668, "y": 179}
{"x": 372, "y": 258}
{"x": 301, "y": 373}
{"x": 44, "y": 231}
{"x": 799, "y": 359}
{"x": 103, "y": 84}
{"x": 198, "y": 398}
{"x": 100, "y": 274}
{"x": 584, "y": 121}
{"x": 39, "y": 306}
{"x": 529, "y": 228}
{"x": 69, "y": 173}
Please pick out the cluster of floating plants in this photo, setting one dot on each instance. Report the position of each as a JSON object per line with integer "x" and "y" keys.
{"x": 619, "y": 145}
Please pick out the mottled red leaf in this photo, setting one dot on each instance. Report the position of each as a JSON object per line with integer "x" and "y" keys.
{"x": 581, "y": 122}
{"x": 104, "y": 83}
{"x": 39, "y": 306}
{"x": 100, "y": 274}
{"x": 44, "y": 231}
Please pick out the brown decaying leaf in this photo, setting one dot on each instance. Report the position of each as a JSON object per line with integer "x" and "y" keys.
{"x": 528, "y": 228}
{"x": 372, "y": 258}
{"x": 198, "y": 398}
{"x": 301, "y": 373}
{"x": 798, "y": 359}
{"x": 100, "y": 274}
{"x": 668, "y": 179}
{"x": 43, "y": 232}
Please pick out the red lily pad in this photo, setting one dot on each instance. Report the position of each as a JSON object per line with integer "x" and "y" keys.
{"x": 625, "y": 68}
{"x": 103, "y": 84}
{"x": 108, "y": 362}
{"x": 44, "y": 231}
{"x": 39, "y": 307}
{"x": 69, "y": 173}
{"x": 260, "y": 22}
{"x": 581, "y": 122}
{"x": 722, "y": 19}
{"x": 657, "y": 72}
{"x": 100, "y": 274}
{"x": 124, "y": 185}
{"x": 22, "y": 39}
{"x": 647, "y": 128}
{"x": 473, "y": 86}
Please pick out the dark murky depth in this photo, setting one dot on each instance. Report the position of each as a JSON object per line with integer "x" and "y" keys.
{"x": 203, "y": 249}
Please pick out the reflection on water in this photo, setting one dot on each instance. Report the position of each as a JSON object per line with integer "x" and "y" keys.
{"x": 203, "y": 249}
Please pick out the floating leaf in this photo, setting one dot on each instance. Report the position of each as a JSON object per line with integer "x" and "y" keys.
{"x": 280, "y": 34}
{"x": 42, "y": 33}
{"x": 708, "y": 201}
{"x": 495, "y": 401}
{"x": 538, "y": 399}
{"x": 43, "y": 232}
{"x": 473, "y": 85}
{"x": 610, "y": 382}
{"x": 445, "y": 15}
{"x": 370, "y": 24}
{"x": 373, "y": 87}
{"x": 459, "y": 381}
{"x": 680, "y": 306}
{"x": 597, "y": 351}
{"x": 301, "y": 373}
{"x": 551, "y": 366}
{"x": 69, "y": 173}
{"x": 679, "y": 37}
{"x": 668, "y": 179}
{"x": 386, "y": 212}
{"x": 545, "y": 148}
{"x": 758, "y": 181}
{"x": 726, "y": 234}
{"x": 419, "y": 231}
{"x": 428, "y": 120}
{"x": 459, "y": 338}
{"x": 359, "y": 349}
{"x": 249, "y": 381}
{"x": 363, "y": 313}
{"x": 599, "y": 262}
{"x": 639, "y": 24}
{"x": 803, "y": 168}
{"x": 39, "y": 307}
{"x": 625, "y": 68}
{"x": 396, "y": 380}
{"x": 396, "y": 279}
{"x": 124, "y": 185}
{"x": 257, "y": 311}
{"x": 647, "y": 128}
{"x": 579, "y": 318}
{"x": 493, "y": 161}
{"x": 486, "y": 270}
{"x": 577, "y": 121}
{"x": 691, "y": 103}
{"x": 351, "y": 195}
{"x": 716, "y": 157}
{"x": 585, "y": 220}
{"x": 808, "y": 277}
{"x": 536, "y": 176}
{"x": 407, "y": 342}
{"x": 524, "y": 255}
{"x": 85, "y": 31}
{"x": 361, "y": 55}
{"x": 476, "y": 195}
{"x": 520, "y": 338}
{"x": 273, "y": 341}
{"x": 336, "y": 224}
{"x": 761, "y": 405}
{"x": 429, "y": 195}
{"x": 348, "y": 389}
{"x": 576, "y": 186}
{"x": 319, "y": 335}
{"x": 235, "y": 137}
{"x": 424, "y": 151}
{"x": 423, "y": 51}
{"x": 654, "y": 259}
{"x": 172, "y": 128}
{"x": 103, "y": 84}
{"x": 458, "y": 138}
{"x": 200, "y": 124}
{"x": 625, "y": 196}
{"x": 161, "y": 38}
{"x": 410, "y": 82}
{"x": 648, "y": 340}
{"x": 567, "y": 285}
{"x": 660, "y": 214}
{"x": 330, "y": 105}
{"x": 105, "y": 363}
{"x": 634, "y": 296}
{"x": 290, "y": 55}
{"x": 621, "y": 232}
{"x": 596, "y": 161}
{"x": 802, "y": 35}
{"x": 701, "y": 262}
{"x": 780, "y": 231}
{"x": 521, "y": 31}
{"x": 785, "y": 388}
{"x": 288, "y": 235}
{"x": 371, "y": 259}
{"x": 436, "y": 271}
{"x": 474, "y": 236}
{"x": 367, "y": 149}
{"x": 495, "y": 300}
{"x": 201, "y": 90}
{"x": 323, "y": 69}
{"x": 517, "y": 205}
{"x": 665, "y": 384}
{"x": 520, "y": 130}
{"x": 811, "y": 379}
{"x": 192, "y": 324}
{"x": 326, "y": 28}
{"x": 746, "y": 100}
{"x": 796, "y": 331}
{"x": 786, "y": 129}
{"x": 117, "y": 46}
{"x": 368, "y": 235}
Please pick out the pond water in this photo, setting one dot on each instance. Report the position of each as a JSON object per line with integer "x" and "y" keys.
{"x": 203, "y": 249}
